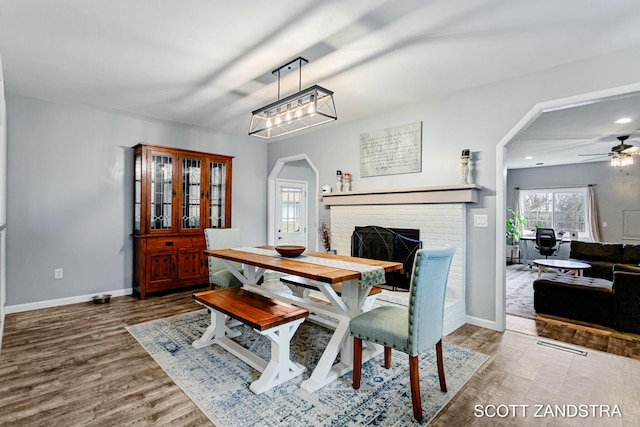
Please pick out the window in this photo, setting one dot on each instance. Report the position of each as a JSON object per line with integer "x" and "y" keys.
{"x": 291, "y": 210}
{"x": 562, "y": 209}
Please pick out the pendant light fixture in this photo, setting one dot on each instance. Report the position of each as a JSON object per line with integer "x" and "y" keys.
{"x": 306, "y": 108}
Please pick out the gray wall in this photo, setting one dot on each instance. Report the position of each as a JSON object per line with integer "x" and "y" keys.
{"x": 68, "y": 203}
{"x": 476, "y": 119}
{"x": 616, "y": 191}
{"x": 70, "y": 194}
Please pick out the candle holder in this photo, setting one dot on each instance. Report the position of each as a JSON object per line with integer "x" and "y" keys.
{"x": 347, "y": 181}
{"x": 464, "y": 169}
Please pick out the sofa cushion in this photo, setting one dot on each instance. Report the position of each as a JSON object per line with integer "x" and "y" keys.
{"x": 580, "y": 298}
{"x": 631, "y": 254}
{"x": 626, "y": 267}
{"x": 578, "y": 283}
{"x": 587, "y": 251}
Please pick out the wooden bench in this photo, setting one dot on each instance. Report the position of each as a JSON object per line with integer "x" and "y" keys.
{"x": 296, "y": 283}
{"x": 276, "y": 320}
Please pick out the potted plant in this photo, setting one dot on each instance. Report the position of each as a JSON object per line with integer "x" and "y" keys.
{"x": 513, "y": 227}
{"x": 325, "y": 236}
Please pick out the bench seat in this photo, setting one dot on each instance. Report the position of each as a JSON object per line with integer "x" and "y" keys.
{"x": 274, "y": 319}
{"x": 308, "y": 284}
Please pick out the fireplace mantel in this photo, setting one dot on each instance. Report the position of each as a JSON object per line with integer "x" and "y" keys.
{"x": 422, "y": 195}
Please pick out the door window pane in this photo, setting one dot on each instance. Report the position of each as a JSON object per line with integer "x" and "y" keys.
{"x": 291, "y": 209}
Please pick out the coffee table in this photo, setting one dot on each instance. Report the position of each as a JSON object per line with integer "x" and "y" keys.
{"x": 563, "y": 266}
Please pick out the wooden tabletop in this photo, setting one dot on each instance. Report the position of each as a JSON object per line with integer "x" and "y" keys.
{"x": 321, "y": 273}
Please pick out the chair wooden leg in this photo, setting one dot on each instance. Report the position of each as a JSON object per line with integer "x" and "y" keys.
{"x": 414, "y": 379}
{"x": 387, "y": 357}
{"x": 443, "y": 382}
{"x": 357, "y": 362}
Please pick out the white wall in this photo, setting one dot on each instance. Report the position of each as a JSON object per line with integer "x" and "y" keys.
{"x": 477, "y": 119}
{"x": 70, "y": 194}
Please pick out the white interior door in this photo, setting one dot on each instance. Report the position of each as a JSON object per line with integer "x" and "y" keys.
{"x": 291, "y": 212}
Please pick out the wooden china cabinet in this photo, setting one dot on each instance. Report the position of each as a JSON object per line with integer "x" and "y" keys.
{"x": 177, "y": 194}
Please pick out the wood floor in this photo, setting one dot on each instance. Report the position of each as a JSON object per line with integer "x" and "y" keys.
{"x": 77, "y": 365}
{"x": 592, "y": 336}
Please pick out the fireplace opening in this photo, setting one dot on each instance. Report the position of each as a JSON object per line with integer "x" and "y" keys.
{"x": 388, "y": 244}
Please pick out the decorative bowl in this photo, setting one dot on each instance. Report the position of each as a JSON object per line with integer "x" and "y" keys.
{"x": 101, "y": 299}
{"x": 290, "y": 251}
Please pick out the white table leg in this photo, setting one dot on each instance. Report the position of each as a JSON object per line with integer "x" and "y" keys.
{"x": 353, "y": 296}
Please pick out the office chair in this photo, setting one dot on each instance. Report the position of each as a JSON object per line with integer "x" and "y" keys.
{"x": 411, "y": 330}
{"x": 546, "y": 242}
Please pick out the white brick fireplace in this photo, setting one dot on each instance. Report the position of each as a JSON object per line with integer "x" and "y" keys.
{"x": 438, "y": 212}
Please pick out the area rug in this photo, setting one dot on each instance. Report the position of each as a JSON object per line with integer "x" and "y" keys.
{"x": 519, "y": 290}
{"x": 218, "y": 383}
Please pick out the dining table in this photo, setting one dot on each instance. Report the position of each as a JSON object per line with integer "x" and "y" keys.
{"x": 357, "y": 276}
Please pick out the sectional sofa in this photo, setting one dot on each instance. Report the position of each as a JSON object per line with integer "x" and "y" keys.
{"x": 608, "y": 294}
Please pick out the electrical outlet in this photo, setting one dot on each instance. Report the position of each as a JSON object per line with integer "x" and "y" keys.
{"x": 480, "y": 221}
{"x": 57, "y": 273}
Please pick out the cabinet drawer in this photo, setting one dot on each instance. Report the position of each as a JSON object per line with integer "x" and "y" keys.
{"x": 199, "y": 242}
{"x": 168, "y": 243}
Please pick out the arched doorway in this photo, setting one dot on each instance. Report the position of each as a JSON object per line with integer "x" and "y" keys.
{"x": 312, "y": 213}
{"x": 501, "y": 175}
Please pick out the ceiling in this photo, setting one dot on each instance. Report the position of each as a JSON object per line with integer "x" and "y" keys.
{"x": 208, "y": 63}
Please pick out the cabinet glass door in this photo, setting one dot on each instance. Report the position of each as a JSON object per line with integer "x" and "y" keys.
{"x": 217, "y": 192}
{"x": 161, "y": 191}
{"x": 137, "y": 193}
{"x": 191, "y": 194}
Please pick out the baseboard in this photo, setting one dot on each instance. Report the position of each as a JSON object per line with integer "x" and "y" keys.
{"x": 483, "y": 323}
{"x": 62, "y": 301}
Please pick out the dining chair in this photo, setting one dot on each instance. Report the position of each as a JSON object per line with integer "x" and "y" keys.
{"x": 222, "y": 238}
{"x": 412, "y": 330}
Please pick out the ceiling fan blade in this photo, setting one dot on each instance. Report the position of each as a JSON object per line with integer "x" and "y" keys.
{"x": 599, "y": 154}
{"x": 594, "y": 158}
{"x": 631, "y": 150}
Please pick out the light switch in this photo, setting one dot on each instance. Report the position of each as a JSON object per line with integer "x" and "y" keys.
{"x": 480, "y": 221}
{"x": 604, "y": 224}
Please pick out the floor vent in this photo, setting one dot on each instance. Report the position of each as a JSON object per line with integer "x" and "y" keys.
{"x": 563, "y": 348}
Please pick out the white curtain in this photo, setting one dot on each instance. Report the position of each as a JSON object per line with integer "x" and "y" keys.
{"x": 516, "y": 204}
{"x": 593, "y": 220}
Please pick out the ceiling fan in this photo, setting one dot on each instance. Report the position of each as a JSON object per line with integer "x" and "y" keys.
{"x": 619, "y": 151}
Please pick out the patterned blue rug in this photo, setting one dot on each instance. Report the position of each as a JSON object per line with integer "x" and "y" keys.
{"x": 218, "y": 383}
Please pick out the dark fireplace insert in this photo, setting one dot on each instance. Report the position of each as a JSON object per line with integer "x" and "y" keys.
{"x": 388, "y": 244}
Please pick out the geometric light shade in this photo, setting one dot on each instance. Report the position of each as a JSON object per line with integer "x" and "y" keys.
{"x": 306, "y": 108}
{"x": 310, "y": 107}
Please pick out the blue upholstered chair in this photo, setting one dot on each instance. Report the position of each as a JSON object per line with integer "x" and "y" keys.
{"x": 413, "y": 330}
{"x": 222, "y": 238}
